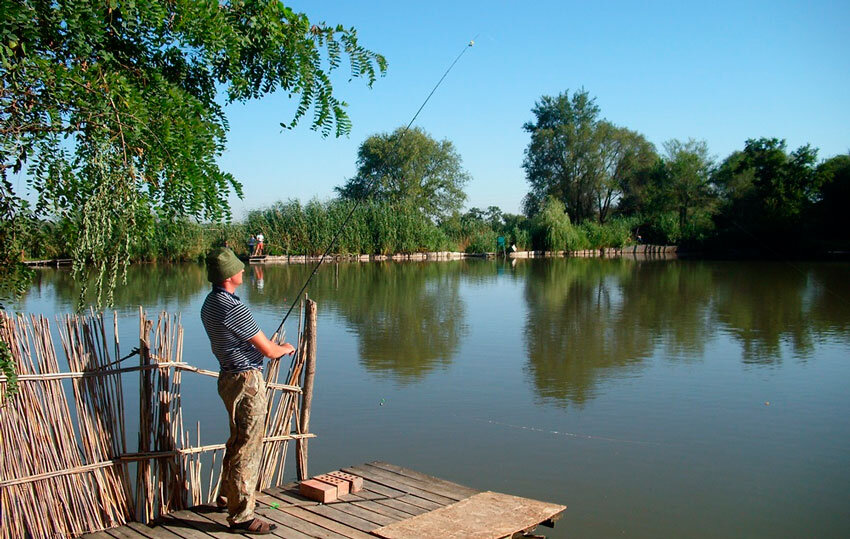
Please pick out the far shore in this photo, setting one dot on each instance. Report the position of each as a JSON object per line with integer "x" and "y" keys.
{"x": 665, "y": 251}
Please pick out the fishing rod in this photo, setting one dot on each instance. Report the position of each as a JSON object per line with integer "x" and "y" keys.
{"x": 372, "y": 185}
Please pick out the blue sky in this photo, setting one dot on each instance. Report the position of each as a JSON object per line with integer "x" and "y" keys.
{"x": 719, "y": 71}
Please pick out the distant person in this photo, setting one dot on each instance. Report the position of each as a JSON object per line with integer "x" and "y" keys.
{"x": 260, "y": 240}
{"x": 252, "y": 242}
{"x": 239, "y": 345}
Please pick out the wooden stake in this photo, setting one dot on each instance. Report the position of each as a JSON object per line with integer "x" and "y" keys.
{"x": 307, "y": 394}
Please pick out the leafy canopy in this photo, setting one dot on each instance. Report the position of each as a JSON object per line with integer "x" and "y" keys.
{"x": 579, "y": 158}
{"x": 409, "y": 166}
{"x": 115, "y": 108}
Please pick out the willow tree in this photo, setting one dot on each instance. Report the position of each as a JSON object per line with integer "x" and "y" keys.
{"x": 113, "y": 110}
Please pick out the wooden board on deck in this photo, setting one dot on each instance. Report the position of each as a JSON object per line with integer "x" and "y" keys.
{"x": 487, "y": 515}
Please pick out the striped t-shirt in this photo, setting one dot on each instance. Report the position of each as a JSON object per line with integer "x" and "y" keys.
{"x": 229, "y": 326}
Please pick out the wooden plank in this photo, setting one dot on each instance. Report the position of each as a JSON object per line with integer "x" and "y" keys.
{"x": 446, "y": 489}
{"x": 122, "y": 532}
{"x": 327, "y": 523}
{"x": 392, "y": 501}
{"x": 392, "y": 480}
{"x": 461, "y": 490}
{"x": 366, "y": 514}
{"x": 198, "y": 522}
{"x": 379, "y": 508}
{"x": 212, "y": 513}
{"x": 487, "y": 515}
{"x": 181, "y": 528}
{"x": 153, "y": 532}
{"x": 266, "y": 498}
{"x": 333, "y": 511}
{"x": 290, "y": 521}
{"x": 371, "y": 486}
{"x": 342, "y": 517}
{"x": 398, "y": 503}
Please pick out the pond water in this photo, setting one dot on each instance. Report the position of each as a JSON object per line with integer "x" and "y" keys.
{"x": 653, "y": 398}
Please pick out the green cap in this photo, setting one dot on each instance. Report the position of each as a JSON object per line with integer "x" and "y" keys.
{"x": 222, "y": 264}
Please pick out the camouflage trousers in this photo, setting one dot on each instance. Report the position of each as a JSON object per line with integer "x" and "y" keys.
{"x": 244, "y": 396}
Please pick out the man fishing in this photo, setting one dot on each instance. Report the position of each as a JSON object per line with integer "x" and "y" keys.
{"x": 239, "y": 345}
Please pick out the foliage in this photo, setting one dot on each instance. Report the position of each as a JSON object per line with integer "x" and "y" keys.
{"x": 409, "y": 166}
{"x": 553, "y": 229}
{"x": 561, "y": 152}
{"x": 831, "y": 210}
{"x": 769, "y": 195}
{"x": 616, "y": 232}
{"x": 375, "y": 228}
{"x": 685, "y": 181}
{"x": 113, "y": 108}
{"x": 7, "y": 368}
{"x": 580, "y": 159}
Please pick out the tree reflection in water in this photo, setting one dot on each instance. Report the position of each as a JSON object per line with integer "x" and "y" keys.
{"x": 408, "y": 317}
{"x": 587, "y": 319}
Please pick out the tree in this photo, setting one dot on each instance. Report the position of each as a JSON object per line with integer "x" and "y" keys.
{"x": 688, "y": 168}
{"x": 624, "y": 156}
{"x": 785, "y": 184}
{"x": 831, "y": 209}
{"x": 584, "y": 161}
{"x": 114, "y": 108}
{"x": 562, "y": 158}
{"x": 409, "y": 166}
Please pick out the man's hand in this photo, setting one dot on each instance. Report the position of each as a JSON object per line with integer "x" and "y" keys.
{"x": 270, "y": 349}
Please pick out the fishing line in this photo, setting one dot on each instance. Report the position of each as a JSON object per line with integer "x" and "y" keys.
{"x": 372, "y": 185}
{"x": 568, "y": 434}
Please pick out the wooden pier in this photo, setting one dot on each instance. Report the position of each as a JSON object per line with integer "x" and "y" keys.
{"x": 52, "y": 262}
{"x": 395, "y": 502}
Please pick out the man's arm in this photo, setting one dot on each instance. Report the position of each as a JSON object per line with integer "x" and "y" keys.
{"x": 268, "y": 348}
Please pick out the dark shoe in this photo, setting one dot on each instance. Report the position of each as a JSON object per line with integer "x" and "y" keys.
{"x": 221, "y": 503}
{"x": 254, "y": 527}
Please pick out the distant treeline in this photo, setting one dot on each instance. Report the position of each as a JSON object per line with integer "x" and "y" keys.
{"x": 737, "y": 211}
{"x": 592, "y": 184}
{"x": 374, "y": 228}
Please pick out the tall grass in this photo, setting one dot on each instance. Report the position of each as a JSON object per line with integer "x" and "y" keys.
{"x": 374, "y": 228}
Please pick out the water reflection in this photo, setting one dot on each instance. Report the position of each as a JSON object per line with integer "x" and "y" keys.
{"x": 591, "y": 319}
{"x": 586, "y": 320}
{"x": 160, "y": 286}
{"x": 408, "y": 318}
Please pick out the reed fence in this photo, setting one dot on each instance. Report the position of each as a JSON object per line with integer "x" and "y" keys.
{"x": 65, "y": 466}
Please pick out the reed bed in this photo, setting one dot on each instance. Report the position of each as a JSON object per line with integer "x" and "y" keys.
{"x": 65, "y": 464}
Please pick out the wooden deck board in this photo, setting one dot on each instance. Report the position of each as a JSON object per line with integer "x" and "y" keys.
{"x": 125, "y": 532}
{"x": 180, "y": 528}
{"x": 152, "y": 532}
{"x": 391, "y": 495}
{"x": 291, "y": 521}
{"x": 387, "y": 479}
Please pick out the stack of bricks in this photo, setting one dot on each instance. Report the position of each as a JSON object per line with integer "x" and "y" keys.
{"x": 327, "y": 488}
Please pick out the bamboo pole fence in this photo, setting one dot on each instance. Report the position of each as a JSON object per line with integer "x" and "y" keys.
{"x": 65, "y": 466}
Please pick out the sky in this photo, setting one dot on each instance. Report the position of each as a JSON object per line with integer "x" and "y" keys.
{"x": 717, "y": 71}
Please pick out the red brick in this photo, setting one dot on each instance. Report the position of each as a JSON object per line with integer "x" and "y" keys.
{"x": 340, "y": 484}
{"x": 355, "y": 483}
{"x": 318, "y": 491}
